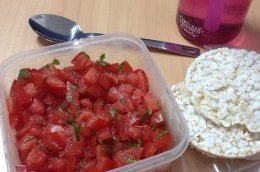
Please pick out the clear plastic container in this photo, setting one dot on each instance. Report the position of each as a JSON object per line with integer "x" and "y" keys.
{"x": 117, "y": 47}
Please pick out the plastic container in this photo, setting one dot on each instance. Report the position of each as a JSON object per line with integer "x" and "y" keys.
{"x": 117, "y": 47}
{"x": 211, "y": 21}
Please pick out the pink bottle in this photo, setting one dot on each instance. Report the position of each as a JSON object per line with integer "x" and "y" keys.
{"x": 211, "y": 21}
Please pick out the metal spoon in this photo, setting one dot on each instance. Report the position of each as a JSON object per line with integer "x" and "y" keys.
{"x": 57, "y": 29}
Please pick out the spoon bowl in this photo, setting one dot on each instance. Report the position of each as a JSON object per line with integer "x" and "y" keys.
{"x": 58, "y": 29}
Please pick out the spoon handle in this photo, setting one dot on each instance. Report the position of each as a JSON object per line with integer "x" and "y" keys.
{"x": 162, "y": 46}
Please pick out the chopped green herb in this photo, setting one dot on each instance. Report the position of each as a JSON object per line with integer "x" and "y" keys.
{"x": 29, "y": 138}
{"x": 74, "y": 87}
{"x": 76, "y": 128}
{"x": 121, "y": 100}
{"x": 101, "y": 60}
{"x": 154, "y": 127}
{"x": 113, "y": 112}
{"x": 120, "y": 67}
{"x": 46, "y": 66}
{"x": 139, "y": 140}
{"x": 161, "y": 134}
{"x": 130, "y": 159}
{"x": 146, "y": 115}
{"x": 22, "y": 74}
{"x": 138, "y": 144}
{"x": 158, "y": 104}
{"x": 76, "y": 131}
{"x": 164, "y": 113}
{"x": 45, "y": 148}
{"x": 69, "y": 98}
{"x": 55, "y": 62}
{"x": 70, "y": 121}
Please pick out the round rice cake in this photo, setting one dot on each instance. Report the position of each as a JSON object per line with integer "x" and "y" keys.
{"x": 211, "y": 139}
{"x": 225, "y": 87}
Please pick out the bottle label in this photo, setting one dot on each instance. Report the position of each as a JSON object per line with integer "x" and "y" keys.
{"x": 189, "y": 28}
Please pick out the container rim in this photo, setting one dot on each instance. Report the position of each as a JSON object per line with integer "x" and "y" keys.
{"x": 161, "y": 158}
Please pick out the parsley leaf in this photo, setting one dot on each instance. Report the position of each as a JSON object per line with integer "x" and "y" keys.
{"x": 146, "y": 115}
{"x": 161, "y": 134}
{"x": 165, "y": 113}
{"x": 70, "y": 121}
{"x": 76, "y": 131}
{"x": 22, "y": 74}
{"x": 101, "y": 60}
{"x": 74, "y": 87}
{"x": 55, "y": 62}
{"x": 76, "y": 128}
{"x": 120, "y": 67}
{"x": 138, "y": 144}
{"x": 45, "y": 149}
{"x": 113, "y": 112}
{"x": 130, "y": 159}
{"x": 29, "y": 138}
{"x": 69, "y": 98}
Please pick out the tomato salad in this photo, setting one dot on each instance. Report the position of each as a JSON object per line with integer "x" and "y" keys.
{"x": 87, "y": 117}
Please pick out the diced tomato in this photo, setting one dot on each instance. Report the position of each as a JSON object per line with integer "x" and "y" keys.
{"x": 112, "y": 67}
{"x": 156, "y": 118}
{"x": 54, "y": 138}
{"x": 31, "y": 130}
{"x": 127, "y": 156}
{"x": 56, "y": 86}
{"x": 90, "y": 166}
{"x": 126, "y": 89}
{"x": 81, "y": 61}
{"x": 22, "y": 168}
{"x": 22, "y": 97}
{"x": 89, "y": 150}
{"x": 85, "y": 130}
{"x": 37, "y": 107}
{"x": 10, "y": 105}
{"x": 86, "y": 103}
{"x": 96, "y": 123}
{"x": 36, "y": 158}
{"x": 139, "y": 79}
{"x": 36, "y": 120}
{"x": 113, "y": 94}
{"x": 148, "y": 150}
{"x": 25, "y": 144}
{"x": 70, "y": 75}
{"x": 95, "y": 91}
{"x": 74, "y": 148}
{"x": 104, "y": 80}
{"x": 38, "y": 78}
{"x": 56, "y": 164}
{"x": 105, "y": 135}
{"x": 162, "y": 140}
{"x": 57, "y": 117}
{"x": 126, "y": 67}
{"x": 102, "y": 151}
{"x": 134, "y": 132}
{"x": 147, "y": 133}
{"x": 86, "y": 117}
{"x": 105, "y": 164}
{"x": 151, "y": 102}
{"x": 137, "y": 97}
{"x": 91, "y": 76}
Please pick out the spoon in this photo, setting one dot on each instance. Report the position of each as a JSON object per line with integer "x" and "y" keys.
{"x": 57, "y": 29}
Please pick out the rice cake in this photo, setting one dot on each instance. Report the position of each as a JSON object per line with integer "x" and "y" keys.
{"x": 225, "y": 87}
{"x": 211, "y": 139}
